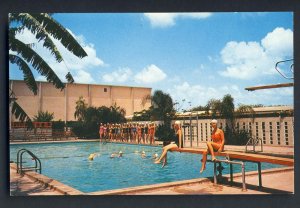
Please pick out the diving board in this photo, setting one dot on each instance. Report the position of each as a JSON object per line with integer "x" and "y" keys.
{"x": 243, "y": 156}
{"x": 269, "y": 86}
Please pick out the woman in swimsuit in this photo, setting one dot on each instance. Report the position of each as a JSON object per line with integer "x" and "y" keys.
{"x": 216, "y": 145}
{"x": 176, "y": 144}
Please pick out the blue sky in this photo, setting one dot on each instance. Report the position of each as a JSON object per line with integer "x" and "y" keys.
{"x": 191, "y": 56}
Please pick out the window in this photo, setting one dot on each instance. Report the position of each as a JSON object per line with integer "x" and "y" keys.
{"x": 202, "y": 138}
{"x": 250, "y": 128}
{"x": 278, "y": 132}
{"x": 286, "y": 135}
{"x": 206, "y": 132}
{"x": 264, "y": 132}
{"x": 105, "y": 89}
{"x": 271, "y": 132}
{"x": 256, "y": 125}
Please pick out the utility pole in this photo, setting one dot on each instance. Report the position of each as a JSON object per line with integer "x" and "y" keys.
{"x": 190, "y": 125}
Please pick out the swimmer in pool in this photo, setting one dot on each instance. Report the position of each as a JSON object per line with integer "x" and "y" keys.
{"x": 92, "y": 156}
{"x": 143, "y": 155}
{"x": 155, "y": 156}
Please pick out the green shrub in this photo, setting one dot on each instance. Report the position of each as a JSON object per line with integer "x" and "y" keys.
{"x": 43, "y": 116}
{"x": 58, "y": 125}
{"x": 237, "y": 137}
{"x": 85, "y": 130}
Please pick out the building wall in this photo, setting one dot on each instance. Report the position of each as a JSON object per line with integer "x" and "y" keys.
{"x": 63, "y": 102}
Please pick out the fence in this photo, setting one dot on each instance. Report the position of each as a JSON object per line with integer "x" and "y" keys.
{"x": 41, "y": 131}
{"x": 275, "y": 131}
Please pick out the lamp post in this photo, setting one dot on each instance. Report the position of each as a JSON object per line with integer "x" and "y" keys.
{"x": 12, "y": 99}
{"x": 190, "y": 124}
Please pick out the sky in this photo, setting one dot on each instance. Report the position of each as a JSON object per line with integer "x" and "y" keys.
{"x": 194, "y": 57}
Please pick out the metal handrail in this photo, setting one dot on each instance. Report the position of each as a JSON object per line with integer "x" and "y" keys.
{"x": 20, "y": 168}
{"x": 282, "y": 74}
{"x": 228, "y": 161}
{"x": 254, "y": 141}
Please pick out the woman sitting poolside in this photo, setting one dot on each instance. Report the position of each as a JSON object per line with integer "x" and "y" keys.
{"x": 176, "y": 144}
{"x": 217, "y": 143}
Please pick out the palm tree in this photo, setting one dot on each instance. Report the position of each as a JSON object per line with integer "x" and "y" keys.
{"x": 227, "y": 110}
{"x": 43, "y": 116}
{"x": 44, "y": 27}
{"x": 162, "y": 106}
{"x": 80, "y": 109}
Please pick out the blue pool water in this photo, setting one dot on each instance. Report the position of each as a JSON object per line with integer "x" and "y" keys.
{"x": 69, "y": 164}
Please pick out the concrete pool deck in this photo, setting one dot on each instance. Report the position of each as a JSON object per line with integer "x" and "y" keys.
{"x": 274, "y": 181}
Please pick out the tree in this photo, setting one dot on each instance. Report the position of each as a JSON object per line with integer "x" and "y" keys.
{"x": 45, "y": 28}
{"x": 215, "y": 106}
{"x": 80, "y": 109}
{"x": 162, "y": 106}
{"x": 90, "y": 118}
{"x": 144, "y": 115}
{"x": 227, "y": 110}
{"x": 245, "y": 109}
{"x": 201, "y": 108}
{"x": 43, "y": 116}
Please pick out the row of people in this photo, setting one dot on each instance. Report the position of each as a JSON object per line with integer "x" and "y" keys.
{"x": 215, "y": 145}
{"x": 139, "y": 133}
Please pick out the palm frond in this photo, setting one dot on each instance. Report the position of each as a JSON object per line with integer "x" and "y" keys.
{"x": 69, "y": 78}
{"x": 145, "y": 99}
{"x": 28, "y": 76}
{"x": 36, "y": 28}
{"x": 20, "y": 114}
{"x": 36, "y": 61}
{"x": 60, "y": 33}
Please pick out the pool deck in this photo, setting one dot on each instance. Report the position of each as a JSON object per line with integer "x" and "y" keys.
{"x": 275, "y": 181}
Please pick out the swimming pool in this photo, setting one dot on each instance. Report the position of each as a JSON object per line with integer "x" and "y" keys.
{"x": 69, "y": 164}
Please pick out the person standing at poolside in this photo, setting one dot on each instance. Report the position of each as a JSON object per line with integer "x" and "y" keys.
{"x": 101, "y": 131}
{"x": 216, "y": 144}
{"x": 105, "y": 132}
{"x": 177, "y": 143}
{"x": 139, "y": 133}
{"x": 151, "y": 133}
{"x": 146, "y": 130}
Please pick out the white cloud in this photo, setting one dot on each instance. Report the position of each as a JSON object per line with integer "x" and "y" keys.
{"x": 150, "y": 74}
{"x": 83, "y": 77}
{"x": 279, "y": 42}
{"x": 247, "y": 60}
{"x": 121, "y": 75}
{"x": 201, "y": 94}
{"x": 168, "y": 19}
{"x": 78, "y": 67}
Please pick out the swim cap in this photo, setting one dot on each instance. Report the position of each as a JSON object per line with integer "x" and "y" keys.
{"x": 214, "y": 121}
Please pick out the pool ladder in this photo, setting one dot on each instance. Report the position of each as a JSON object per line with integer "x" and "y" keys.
{"x": 254, "y": 141}
{"x": 21, "y": 169}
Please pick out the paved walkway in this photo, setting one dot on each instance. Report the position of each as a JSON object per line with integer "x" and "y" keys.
{"x": 281, "y": 182}
{"x": 24, "y": 186}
